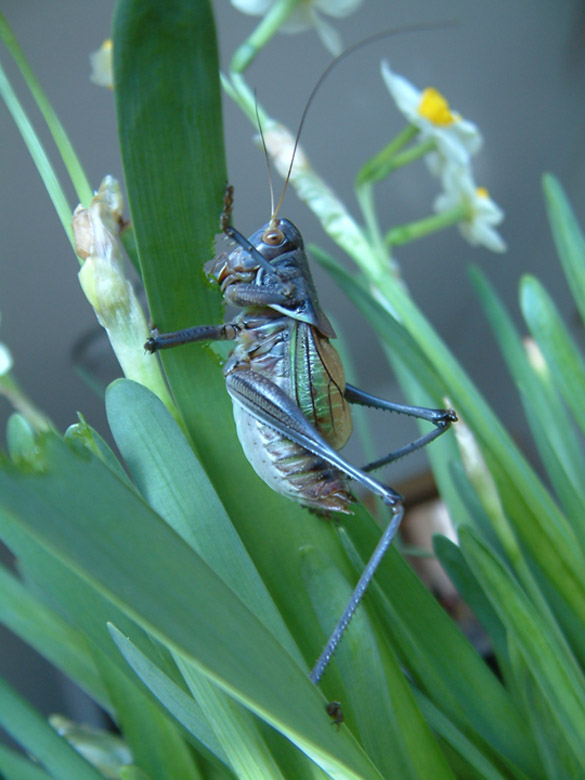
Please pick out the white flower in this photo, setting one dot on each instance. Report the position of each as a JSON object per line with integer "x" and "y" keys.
{"x": 460, "y": 189}
{"x": 456, "y": 138}
{"x": 307, "y": 14}
{"x": 102, "y": 65}
{"x": 6, "y": 361}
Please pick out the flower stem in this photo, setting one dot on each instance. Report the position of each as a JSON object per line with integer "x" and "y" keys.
{"x": 382, "y": 163}
{"x": 404, "y": 234}
{"x": 269, "y": 25}
{"x": 412, "y": 154}
{"x": 379, "y": 250}
{"x": 12, "y": 391}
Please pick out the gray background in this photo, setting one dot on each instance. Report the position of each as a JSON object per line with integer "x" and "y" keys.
{"x": 515, "y": 68}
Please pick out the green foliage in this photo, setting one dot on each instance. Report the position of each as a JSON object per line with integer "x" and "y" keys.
{"x": 190, "y": 601}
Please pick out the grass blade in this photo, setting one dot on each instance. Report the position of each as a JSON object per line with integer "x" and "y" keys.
{"x": 179, "y": 703}
{"x": 60, "y": 137}
{"x": 49, "y": 634}
{"x": 16, "y": 767}
{"x": 34, "y": 734}
{"x": 154, "y": 740}
{"x": 560, "y": 351}
{"x": 554, "y": 668}
{"x": 568, "y": 238}
{"x": 553, "y": 433}
{"x": 133, "y": 572}
{"x": 37, "y": 152}
{"x": 175, "y": 485}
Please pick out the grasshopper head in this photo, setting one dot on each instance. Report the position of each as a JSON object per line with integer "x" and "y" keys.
{"x": 277, "y": 237}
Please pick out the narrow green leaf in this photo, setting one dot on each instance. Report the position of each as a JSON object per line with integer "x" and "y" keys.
{"x": 169, "y": 118}
{"x": 180, "y": 704}
{"x": 442, "y": 454}
{"x": 452, "y": 560}
{"x": 388, "y": 329}
{"x": 477, "y": 765}
{"x": 49, "y": 634}
{"x": 568, "y": 237}
{"x": 560, "y": 351}
{"x": 33, "y": 733}
{"x": 474, "y": 508}
{"x": 16, "y": 767}
{"x": 60, "y": 137}
{"x": 553, "y": 433}
{"x": 558, "y": 759}
{"x": 530, "y": 506}
{"x": 86, "y": 436}
{"x": 133, "y": 773}
{"x": 83, "y": 515}
{"x": 466, "y": 692}
{"x": 234, "y": 727}
{"x": 420, "y": 382}
{"x": 20, "y": 438}
{"x": 554, "y": 668}
{"x": 38, "y": 153}
{"x": 392, "y": 730}
{"x": 154, "y": 740}
{"x": 175, "y": 485}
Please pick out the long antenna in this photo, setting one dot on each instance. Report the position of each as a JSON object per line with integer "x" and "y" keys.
{"x": 422, "y": 27}
{"x": 266, "y": 155}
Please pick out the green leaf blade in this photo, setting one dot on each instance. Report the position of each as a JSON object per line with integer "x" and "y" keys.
{"x": 546, "y": 653}
{"x": 16, "y": 767}
{"x": 109, "y": 537}
{"x": 35, "y": 735}
{"x": 568, "y": 238}
{"x": 50, "y": 635}
{"x": 551, "y": 428}
{"x": 167, "y": 80}
{"x": 558, "y": 347}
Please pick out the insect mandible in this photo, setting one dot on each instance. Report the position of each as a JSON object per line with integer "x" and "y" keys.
{"x": 290, "y": 398}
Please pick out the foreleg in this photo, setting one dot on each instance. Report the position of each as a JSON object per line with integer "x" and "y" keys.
{"x": 157, "y": 341}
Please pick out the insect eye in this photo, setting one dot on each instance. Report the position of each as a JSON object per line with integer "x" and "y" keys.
{"x": 273, "y": 237}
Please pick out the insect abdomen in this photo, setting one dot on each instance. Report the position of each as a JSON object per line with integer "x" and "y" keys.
{"x": 307, "y": 368}
{"x": 290, "y": 469}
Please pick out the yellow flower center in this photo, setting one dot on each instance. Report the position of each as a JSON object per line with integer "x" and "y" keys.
{"x": 481, "y": 192}
{"x": 435, "y": 108}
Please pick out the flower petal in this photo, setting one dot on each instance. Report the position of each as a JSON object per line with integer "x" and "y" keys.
{"x": 456, "y": 139}
{"x": 102, "y": 65}
{"x": 329, "y": 36}
{"x": 6, "y": 361}
{"x": 460, "y": 188}
{"x": 253, "y": 7}
{"x": 337, "y": 8}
